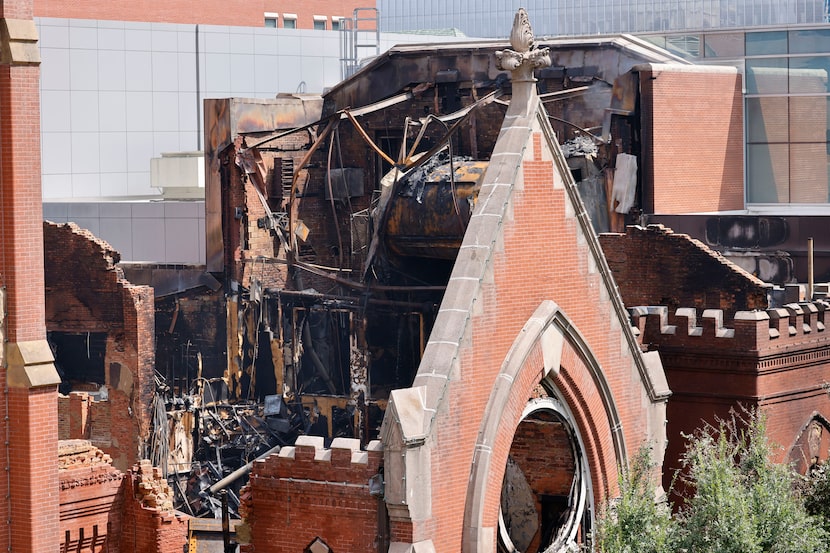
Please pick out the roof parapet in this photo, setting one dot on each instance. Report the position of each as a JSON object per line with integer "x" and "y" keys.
{"x": 794, "y": 325}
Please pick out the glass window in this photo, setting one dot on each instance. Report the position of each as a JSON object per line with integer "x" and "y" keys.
{"x": 684, "y": 45}
{"x": 336, "y": 23}
{"x": 808, "y": 119}
{"x": 766, "y": 119}
{"x": 809, "y": 41}
{"x": 773, "y": 42}
{"x": 767, "y": 173}
{"x": 725, "y": 45}
{"x": 271, "y": 22}
{"x": 656, "y": 40}
{"x": 766, "y": 76}
{"x": 808, "y": 173}
{"x": 809, "y": 74}
{"x": 319, "y": 25}
{"x": 289, "y": 23}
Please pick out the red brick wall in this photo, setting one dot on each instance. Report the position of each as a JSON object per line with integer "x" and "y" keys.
{"x": 33, "y": 470}
{"x": 543, "y": 450}
{"x": 30, "y": 423}
{"x": 22, "y": 252}
{"x": 540, "y": 253}
{"x": 776, "y": 360}
{"x": 150, "y": 524}
{"x": 73, "y": 416}
{"x": 16, "y": 9}
{"x": 209, "y": 12}
{"x": 306, "y": 492}
{"x": 692, "y": 158}
{"x": 90, "y": 499}
{"x": 655, "y": 266}
{"x": 86, "y": 292}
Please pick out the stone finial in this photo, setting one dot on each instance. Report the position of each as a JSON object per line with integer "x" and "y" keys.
{"x": 521, "y": 36}
{"x": 524, "y": 58}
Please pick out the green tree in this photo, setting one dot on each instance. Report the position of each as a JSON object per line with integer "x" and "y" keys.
{"x": 738, "y": 500}
{"x": 742, "y": 501}
{"x": 816, "y": 494}
{"x": 636, "y": 523}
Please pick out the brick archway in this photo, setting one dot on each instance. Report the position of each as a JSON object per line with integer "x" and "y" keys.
{"x": 812, "y": 444}
{"x": 550, "y": 351}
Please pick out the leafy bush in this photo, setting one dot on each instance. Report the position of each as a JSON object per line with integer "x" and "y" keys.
{"x": 816, "y": 494}
{"x": 739, "y": 500}
{"x": 742, "y": 501}
{"x": 636, "y": 523}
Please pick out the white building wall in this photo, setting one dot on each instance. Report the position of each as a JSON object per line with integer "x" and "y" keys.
{"x": 116, "y": 94}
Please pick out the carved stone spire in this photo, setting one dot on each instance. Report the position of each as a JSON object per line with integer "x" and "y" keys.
{"x": 522, "y": 60}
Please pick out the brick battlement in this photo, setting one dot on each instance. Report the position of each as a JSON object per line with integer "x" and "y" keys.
{"x": 308, "y": 460}
{"x": 796, "y": 325}
{"x": 292, "y": 497}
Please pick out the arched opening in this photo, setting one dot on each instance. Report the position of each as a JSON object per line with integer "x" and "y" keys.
{"x": 546, "y": 499}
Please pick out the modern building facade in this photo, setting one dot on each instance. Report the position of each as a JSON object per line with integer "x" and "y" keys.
{"x": 781, "y": 47}
{"x": 785, "y": 102}
{"x": 575, "y": 18}
{"x": 294, "y": 14}
{"x": 119, "y": 89}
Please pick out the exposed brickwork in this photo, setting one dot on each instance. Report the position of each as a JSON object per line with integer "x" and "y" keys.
{"x": 33, "y": 470}
{"x": 694, "y": 159}
{"x": 655, "y": 266}
{"x": 305, "y": 492}
{"x": 543, "y": 451}
{"x": 209, "y": 12}
{"x": 150, "y": 523}
{"x": 86, "y": 292}
{"x": 90, "y": 499}
{"x": 21, "y": 253}
{"x": 776, "y": 360}
{"x": 30, "y": 503}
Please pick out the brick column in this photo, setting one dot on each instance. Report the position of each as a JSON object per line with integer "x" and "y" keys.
{"x": 29, "y": 378}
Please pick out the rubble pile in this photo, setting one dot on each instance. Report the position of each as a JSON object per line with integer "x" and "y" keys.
{"x": 152, "y": 488}
{"x": 74, "y": 454}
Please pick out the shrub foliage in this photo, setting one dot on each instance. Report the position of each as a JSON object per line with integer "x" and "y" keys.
{"x": 739, "y": 501}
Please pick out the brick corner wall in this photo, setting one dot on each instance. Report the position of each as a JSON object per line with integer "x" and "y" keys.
{"x": 87, "y": 292}
{"x": 90, "y": 498}
{"x": 151, "y": 525}
{"x": 693, "y": 158}
{"x": 295, "y": 496}
{"x": 656, "y": 266}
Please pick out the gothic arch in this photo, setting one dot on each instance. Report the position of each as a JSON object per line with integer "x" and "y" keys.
{"x": 812, "y": 444}
{"x": 549, "y": 351}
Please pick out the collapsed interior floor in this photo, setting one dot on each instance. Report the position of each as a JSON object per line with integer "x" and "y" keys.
{"x": 333, "y": 232}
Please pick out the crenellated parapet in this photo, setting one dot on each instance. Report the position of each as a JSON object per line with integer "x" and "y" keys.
{"x": 759, "y": 332}
{"x": 308, "y": 460}
{"x": 304, "y": 488}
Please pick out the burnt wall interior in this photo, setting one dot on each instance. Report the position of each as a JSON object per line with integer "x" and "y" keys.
{"x": 539, "y": 484}
{"x": 337, "y": 241}
{"x": 191, "y": 339}
{"x": 101, "y": 330}
{"x": 656, "y": 266}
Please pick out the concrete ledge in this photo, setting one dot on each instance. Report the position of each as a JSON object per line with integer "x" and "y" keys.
{"x": 31, "y": 365}
{"x": 18, "y": 42}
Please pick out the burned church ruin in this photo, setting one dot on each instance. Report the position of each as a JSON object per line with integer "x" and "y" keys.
{"x": 432, "y": 318}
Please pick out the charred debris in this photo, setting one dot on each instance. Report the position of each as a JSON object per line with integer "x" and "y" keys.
{"x": 332, "y": 226}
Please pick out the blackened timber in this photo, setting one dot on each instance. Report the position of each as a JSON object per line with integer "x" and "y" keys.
{"x": 351, "y": 283}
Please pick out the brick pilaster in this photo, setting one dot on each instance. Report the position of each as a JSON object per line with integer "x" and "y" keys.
{"x": 29, "y": 377}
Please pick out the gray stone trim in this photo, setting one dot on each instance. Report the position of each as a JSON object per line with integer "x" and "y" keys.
{"x": 550, "y": 327}
{"x": 656, "y": 391}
